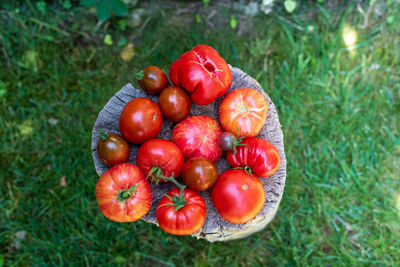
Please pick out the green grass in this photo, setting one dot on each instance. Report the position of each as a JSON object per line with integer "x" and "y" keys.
{"x": 339, "y": 110}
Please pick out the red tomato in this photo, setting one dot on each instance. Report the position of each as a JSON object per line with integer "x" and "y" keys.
{"x": 174, "y": 103}
{"x": 244, "y": 110}
{"x": 203, "y": 73}
{"x": 123, "y": 193}
{"x": 197, "y": 136}
{"x": 140, "y": 120}
{"x": 181, "y": 216}
{"x": 153, "y": 80}
{"x": 199, "y": 174}
{"x": 238, "y": 196}
{"x": 112, "y": 149}
{"x": 260, "y": 155}
{"x": 160, "y": 157}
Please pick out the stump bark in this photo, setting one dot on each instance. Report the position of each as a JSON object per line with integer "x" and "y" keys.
{"x": 215, "y": 228}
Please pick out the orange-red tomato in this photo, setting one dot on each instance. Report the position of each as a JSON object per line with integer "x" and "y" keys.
{"x": 161, "y": 155}
{"x": 123, "y": 193}
{"x": 181, "y": 218}
{"x": 260, "y": 155}
{"x": 140, "y": 120}
{"x": 238, "y": 196}
{"x": 154, "y": 80}
{"x": 243, "y": 110}
{"x": 199, "y": 174}
{"x": 197, "y": 136}
{"x": 174, "y": 103}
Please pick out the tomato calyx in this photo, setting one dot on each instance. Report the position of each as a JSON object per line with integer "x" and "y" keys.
{"x": 247, "y": 169}
{"x": 139, "y": 74}
{"x": 103, "y": 135}
{"x": 124, "y": 195}
{"x": 156, "y": 174}
{"x": 178, "y": 201}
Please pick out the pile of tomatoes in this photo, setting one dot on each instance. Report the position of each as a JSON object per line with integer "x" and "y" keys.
{"x": 200, "y": 75}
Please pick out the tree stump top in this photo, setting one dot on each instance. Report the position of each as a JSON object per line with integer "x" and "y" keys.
{"x": 215, "y": 228}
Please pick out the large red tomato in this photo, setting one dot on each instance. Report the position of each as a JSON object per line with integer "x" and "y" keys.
{"x": 197, "y": 136}
{"x": 159, "y": 157}
{"x": 140, "y": 120}
{"x": 243, "y": 110}
{"x": 181, "y": 215}
{"x": 123, "y": 193}
{"x": 238, "y": 196}
{"x": 203, "y": 73}
{"x": 260, "y": 155}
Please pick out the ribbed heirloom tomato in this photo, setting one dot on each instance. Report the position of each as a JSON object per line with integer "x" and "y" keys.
{"x": 203, "y": 73}
{"x": 238, "y": 196}
{"x": 123, "y": 193}
{"x": 243, "y": 110}
{"x": 258, "y": 154}
{"x": 181, "y": 214}
{"x": 197, "y": 136}
{"x": 140, "y": 120}
{"x": 159, "y": 157}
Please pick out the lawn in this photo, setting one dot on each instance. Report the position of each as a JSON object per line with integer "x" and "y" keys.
{"x": 339, "y": 109}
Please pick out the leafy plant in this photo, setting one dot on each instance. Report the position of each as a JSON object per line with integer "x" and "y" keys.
{"x": 104, "y": 8}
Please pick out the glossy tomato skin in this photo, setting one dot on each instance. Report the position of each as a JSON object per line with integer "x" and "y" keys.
{"x": 197, "y": 136}
{"x": 199, "y": 174}
{"x": 260, "y": 155}
{"x": 160, "y": 153}
{"x": 244, "y": 110}
{"x": 174, "y": 103}
{"x": 140, "y": 120}
{"x": 203, "y": 73}
{"x": 116, "y": 179}
{"x": 226, "y": 141}
{"x": 154, "y": 80}
{"x": 113, "y": 150}
{"x": 237, "y": 196}
{"x": 186, "y": 220}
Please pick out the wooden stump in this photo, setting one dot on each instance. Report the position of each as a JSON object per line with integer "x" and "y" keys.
{"x": 215, "y": 228}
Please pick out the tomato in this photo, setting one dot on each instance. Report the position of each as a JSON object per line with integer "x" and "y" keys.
{"x": 199, "y": 174}
{"x": 238, "y": 196}
{"x": 123, "y": 193}
{"x": 174, "y": 103}
{"x": 197, "y": 136}
{"x": 244, "y": 110}
{"x": 260, "y": 155}
{"x": 112, "y": 149}
{"x": 153, "y": 80}
{"x": 181, "y": 216}
{"x": 203, "y": 73}
{"x": 159, "y": 157}
{"x": 140, "y": 120}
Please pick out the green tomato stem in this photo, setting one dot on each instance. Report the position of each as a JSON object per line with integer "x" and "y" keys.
{"x": 124, "y": 195}
{"x": 103, "y": 135}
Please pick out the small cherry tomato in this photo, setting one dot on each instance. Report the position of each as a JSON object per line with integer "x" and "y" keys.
{"x": 153, "y": 80}
{"x": 123, "y": 193}
{"x": 158, "y": 158}
{"x": 112, "y": 149}
{"x": 181, "y": 213}
{"x": 199, "y": 174}
{"x": 140, "y": 120}
{"x": 238, "y": 196}
{"x": 174, "y": 103}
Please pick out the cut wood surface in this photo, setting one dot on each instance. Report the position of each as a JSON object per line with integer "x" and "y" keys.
{"x": 215, "y": 228}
